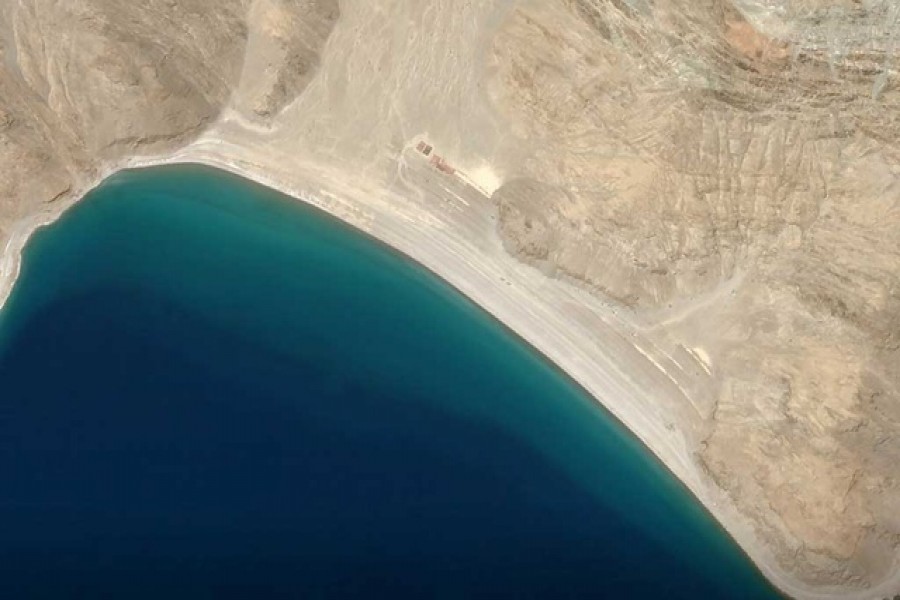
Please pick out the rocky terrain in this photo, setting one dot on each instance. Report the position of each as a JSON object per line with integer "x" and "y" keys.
{"x": 736, "y": 181}
{"x": 722, "y": 175}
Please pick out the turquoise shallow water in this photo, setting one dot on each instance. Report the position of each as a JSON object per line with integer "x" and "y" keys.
{"x": 211, "y": 390}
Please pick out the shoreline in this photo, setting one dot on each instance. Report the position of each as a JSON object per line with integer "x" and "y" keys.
{"x": 535, "y": 325}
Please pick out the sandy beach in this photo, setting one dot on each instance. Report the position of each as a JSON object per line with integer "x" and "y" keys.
{"x": 449, "y": 227}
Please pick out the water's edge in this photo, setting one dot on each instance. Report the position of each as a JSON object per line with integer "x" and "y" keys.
{"x": 10, "y": 264}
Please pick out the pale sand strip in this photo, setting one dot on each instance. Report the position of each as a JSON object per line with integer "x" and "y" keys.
{"x": 588, "y": 339}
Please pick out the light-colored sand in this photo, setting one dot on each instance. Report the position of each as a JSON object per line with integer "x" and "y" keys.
{"x": 452, "y": 232}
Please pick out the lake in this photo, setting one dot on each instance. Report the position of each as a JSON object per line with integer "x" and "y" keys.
{"x": 208, "y": 389}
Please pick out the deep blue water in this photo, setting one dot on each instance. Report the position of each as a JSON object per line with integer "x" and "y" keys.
{"x": 210, "y": 390}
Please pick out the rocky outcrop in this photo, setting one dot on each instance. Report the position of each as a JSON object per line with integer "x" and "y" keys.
{"x": 283, "y": 51}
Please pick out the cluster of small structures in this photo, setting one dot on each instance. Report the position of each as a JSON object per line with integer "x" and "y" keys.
{"x": 424, "y": 148}
{"x": 435, "y": 160}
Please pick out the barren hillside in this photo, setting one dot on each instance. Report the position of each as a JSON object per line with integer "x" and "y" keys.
{"x": 736, "y": 182}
